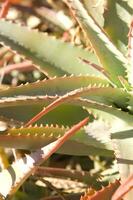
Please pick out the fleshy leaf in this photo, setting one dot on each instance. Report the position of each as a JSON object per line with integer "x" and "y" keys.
{"x": 54, "y": 86}
{"x": 22, "y": 104}
{"x": 38, "y": 136}
{"x": 112, "y": 60}
{"x": 9, "y": 105}
{"x": 117, "y": 17}
{"x": 86, "y": 91}
{"x": 29, "y": 106}
{"x": 124, "y": 116}
{"x": 45, "y": 51}
{"x": 14, "y": 176}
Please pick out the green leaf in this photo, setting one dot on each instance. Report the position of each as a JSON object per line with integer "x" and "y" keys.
{"x": 30, "y": 106}
{"x": 52, "y": 55}
{"x": 55, "y": 86}
{"x": 37, "y": 136}
{"x": 110, "y": 57}
{"x": 98, "y": 89}
{"x": 97, "y": 94}
{"x": 15, "y": 175}
{"x": 117, "y": 17}
{"x": 125, "y": 118}
{"x": 32, "y": 102}
{"x": 23, "y": 109}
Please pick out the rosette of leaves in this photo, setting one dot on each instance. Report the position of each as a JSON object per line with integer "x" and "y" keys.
{"x": 98, "y": 85}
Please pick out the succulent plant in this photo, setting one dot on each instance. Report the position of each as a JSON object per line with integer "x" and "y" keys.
{"x": 95, "y": 84}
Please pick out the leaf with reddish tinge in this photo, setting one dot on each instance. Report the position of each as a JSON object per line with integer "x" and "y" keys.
{"x": 126, "y": 186}
{"x": 14, "y": 176}
{"x": 103, "y": 194}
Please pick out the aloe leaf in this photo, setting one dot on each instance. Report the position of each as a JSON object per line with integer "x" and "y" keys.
{"x": 67, "y": 97}
{"x": 124, "y": 120}
{"x": 110, "y": 57}
{"x": 98, "y": 89}
{"x": 107, "y": 95}
{"x": 30, "y": 107}
{"x": 117, "y": 17}
{"x": 12, "y": 107}
{"x": 80, "y": 141}
{"x": 54, "y": 86}
{"x": 125, "y": 117}
{"x": 38, "y": 136}
{"x": 14, "y": 176}
{"x": 98, "y": 94}
{"x": 45, "y": 51}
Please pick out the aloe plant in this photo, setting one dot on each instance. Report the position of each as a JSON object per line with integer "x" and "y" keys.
{"x": 97, "y": 85}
